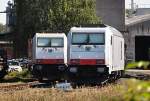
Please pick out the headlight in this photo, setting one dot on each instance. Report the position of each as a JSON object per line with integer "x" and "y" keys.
{"x": 100, "y": 70}
{"x": 39, "y": 67}
{"x": 61, "y": 68}
{"x": 73, "y": 69}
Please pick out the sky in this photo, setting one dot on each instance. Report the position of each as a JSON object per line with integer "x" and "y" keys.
{"x": 144, "y": 3}
{"x": 3, "y": 4}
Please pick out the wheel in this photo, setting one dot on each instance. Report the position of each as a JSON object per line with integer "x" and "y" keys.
{"x": 122, "y": 73}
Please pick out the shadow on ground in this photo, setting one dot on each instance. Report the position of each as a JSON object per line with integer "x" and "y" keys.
{"x": 16, "y": 79}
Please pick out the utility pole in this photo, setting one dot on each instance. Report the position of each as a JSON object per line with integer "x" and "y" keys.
{"x": 9, "y": 16}
{"x": 132, "y": 10}
{"x": 132, "y": 5}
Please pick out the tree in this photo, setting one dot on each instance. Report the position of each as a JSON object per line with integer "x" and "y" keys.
{"x": 64, "y": 14}
{"x": 2, "y": 28}
{"x": 51, "y": 16}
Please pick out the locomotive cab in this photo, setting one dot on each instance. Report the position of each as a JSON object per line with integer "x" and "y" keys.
{"x": 49, "y": 55}
{"x": 92, "y": 53}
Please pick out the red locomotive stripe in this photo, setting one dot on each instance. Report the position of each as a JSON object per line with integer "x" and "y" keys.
{"x": 50, "y": 61}
{"x": 87, "y": 62}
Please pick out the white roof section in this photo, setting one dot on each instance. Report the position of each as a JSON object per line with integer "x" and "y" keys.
{"x": 88, "y": 29}
{"x": 97, "y": 30}
{"x": 137, "y": 19}
{"x": 115, "y": 31}
{"x": 50, "y": 35}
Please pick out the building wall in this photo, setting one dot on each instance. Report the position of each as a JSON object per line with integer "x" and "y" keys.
{"x": 141, "y": 29}
{"x": 142, "y": 11}
{"x": 112, "y": 12}
{"x": 9, "y": 48}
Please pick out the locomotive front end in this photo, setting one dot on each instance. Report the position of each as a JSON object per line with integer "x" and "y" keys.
{"x": 86, "y": 56}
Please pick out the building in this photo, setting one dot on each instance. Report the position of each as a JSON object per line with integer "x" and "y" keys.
{"x": 142, "y": 11}
{"x": 137, "y": 38}
{"x": 136, "y": 29}
{"x": 10, "y": 17}
{"x": 6, "y": 42}
{"x": 112, "y": 12}
{"x": 7, "y": 37}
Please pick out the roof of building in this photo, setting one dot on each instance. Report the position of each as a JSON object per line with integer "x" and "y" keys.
{"x": 137, "y": 19}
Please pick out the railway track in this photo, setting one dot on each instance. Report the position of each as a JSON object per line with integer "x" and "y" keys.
{"x": 15, "y": 87}
{"x": 35, "y": 84}
{"x": 138, "y": 74}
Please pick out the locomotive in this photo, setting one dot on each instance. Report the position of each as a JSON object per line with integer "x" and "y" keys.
{"x": 95, "y": 53}
{"x": 49, "y": 55}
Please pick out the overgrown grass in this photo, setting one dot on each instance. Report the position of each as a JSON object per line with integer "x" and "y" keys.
{"x": 109, "y": 93}
{"x": 130, "y": 90}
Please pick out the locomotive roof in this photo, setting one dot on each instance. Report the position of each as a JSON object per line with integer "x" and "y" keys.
{"x": 96, "y": 29}
{"x": 115, "y": 32}
{"x": 88, "y": 29}
{"x": 50, "y": 34}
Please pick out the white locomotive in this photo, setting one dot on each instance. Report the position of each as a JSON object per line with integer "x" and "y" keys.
{"x": 95, "y": 52}
{"x": 49, "y": 55}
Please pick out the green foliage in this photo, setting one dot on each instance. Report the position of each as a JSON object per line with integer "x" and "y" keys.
{"x": 2, "y": 28}
{"x": 127, "y": 12}
{"x": 141, "y": 64}
{"x": 137, "y": 90}
{"x": 50, "y": 16}
{"x": 63, "y": 14}
{"x": 24, "y": 74}
{"x": 54, "y": 15}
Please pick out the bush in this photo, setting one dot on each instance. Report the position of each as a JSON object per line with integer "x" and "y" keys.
{"x": 137, "y": 90}
{"x": 140, "y": 64}
{"x": 24, "y": 74}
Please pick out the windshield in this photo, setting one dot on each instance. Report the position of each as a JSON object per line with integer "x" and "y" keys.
{"x": 50, "y": 42}
{"x": 88, "y": 38}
